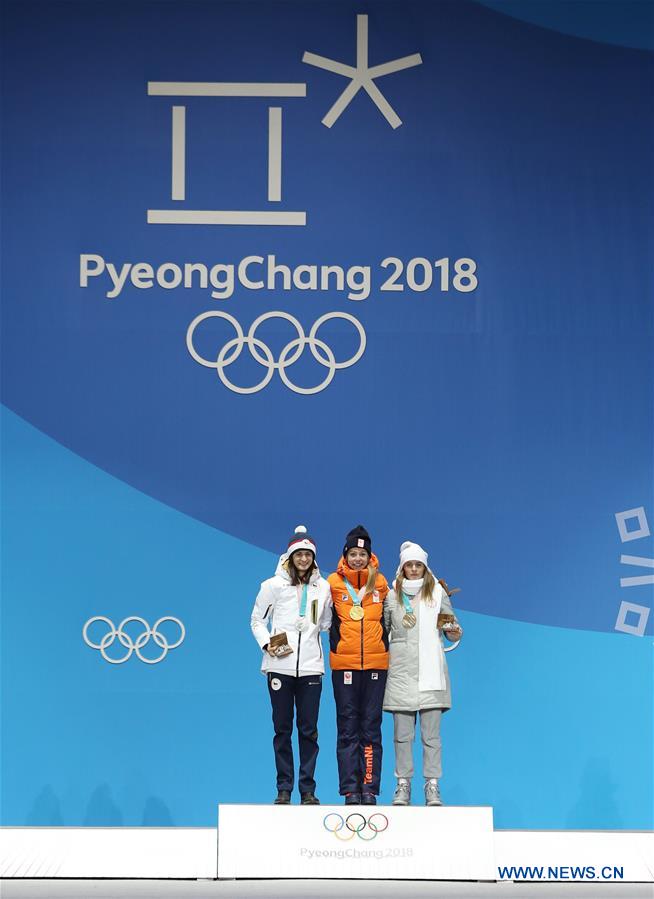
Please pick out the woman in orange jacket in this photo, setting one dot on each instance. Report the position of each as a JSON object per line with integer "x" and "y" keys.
{"x": 359, "y": 664}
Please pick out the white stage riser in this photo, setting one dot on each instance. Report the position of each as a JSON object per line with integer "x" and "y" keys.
{"x": 447, "y": 843}
{"x": 142, "y": 852}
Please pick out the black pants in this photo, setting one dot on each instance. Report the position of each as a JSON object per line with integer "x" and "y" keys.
{"x": 359, "y": 696}
{"x": 303, "y": 693}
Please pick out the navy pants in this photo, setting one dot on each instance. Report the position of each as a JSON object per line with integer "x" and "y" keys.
{"x": 288, "y": 693}
{"x": 359, "y": 696}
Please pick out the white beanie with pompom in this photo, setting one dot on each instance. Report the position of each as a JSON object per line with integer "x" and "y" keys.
{"x": 411, "y": 552}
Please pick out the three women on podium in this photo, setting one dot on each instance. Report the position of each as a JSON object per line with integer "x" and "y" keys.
{"x": 355, "y": 605}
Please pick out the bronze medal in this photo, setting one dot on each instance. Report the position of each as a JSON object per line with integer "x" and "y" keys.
{"x": 409, "y": 620}
{"x": 357, "y": 613}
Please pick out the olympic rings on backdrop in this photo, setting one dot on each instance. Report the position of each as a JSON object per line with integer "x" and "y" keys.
{"x": 355, "y": 824}
{"x": 133, "y": 645}
{"x": 262, "y": 354}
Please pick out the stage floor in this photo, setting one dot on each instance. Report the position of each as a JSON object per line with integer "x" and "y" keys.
{"x": 314, "y": 889}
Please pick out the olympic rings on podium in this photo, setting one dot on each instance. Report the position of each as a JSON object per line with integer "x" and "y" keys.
{"x": 356, "y": 824}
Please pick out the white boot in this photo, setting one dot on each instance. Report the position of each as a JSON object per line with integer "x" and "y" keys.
{"x": 432, "y": 793}
{"x": 402, "y": 795}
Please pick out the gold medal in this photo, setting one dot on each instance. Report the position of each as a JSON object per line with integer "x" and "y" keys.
{"x": 357, "y": 613}
{"x": 409, "y": 620}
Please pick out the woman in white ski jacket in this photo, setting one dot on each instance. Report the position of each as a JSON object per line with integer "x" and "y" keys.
{"x": 296, "y": 601}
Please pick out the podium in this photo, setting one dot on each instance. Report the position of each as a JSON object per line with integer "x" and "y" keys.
{"x": 356, "y": 842}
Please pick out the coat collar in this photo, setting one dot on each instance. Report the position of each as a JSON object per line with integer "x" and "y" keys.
{"x": 356, "y": 578}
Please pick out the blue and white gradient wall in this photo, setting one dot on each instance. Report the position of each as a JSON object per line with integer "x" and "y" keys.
{"x": 508, "y": 427}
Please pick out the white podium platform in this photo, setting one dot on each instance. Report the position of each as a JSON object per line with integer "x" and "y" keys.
{"x": 356, "y": 842}
{"x": 167, "y": 853}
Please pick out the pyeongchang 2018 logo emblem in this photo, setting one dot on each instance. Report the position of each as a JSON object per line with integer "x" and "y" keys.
{"x": 360, "y": 77}
{"x": 355, "y": 825}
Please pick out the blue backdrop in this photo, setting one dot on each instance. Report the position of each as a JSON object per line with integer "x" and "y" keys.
{"x": 504, "y": 427}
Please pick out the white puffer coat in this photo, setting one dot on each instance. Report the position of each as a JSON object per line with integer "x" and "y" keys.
{"x": 277, "y": 609}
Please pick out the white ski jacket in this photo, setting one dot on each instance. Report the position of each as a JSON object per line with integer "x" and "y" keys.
{"x": 277, "y": 609}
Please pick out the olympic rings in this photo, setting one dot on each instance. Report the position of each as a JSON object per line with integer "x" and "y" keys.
{"x": 262, "y": 354}
{"x": 356, "y": 829}
{"x": 133, "y": 645}
{"x": 336, "y": 830}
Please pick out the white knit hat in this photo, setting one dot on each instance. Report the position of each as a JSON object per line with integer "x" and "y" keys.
{"x": 411, "y": 552}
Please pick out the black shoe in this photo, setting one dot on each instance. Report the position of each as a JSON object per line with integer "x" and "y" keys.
{"x": 309, "y": 799}
{"x": 283, "y": 798}
{"x": 353, "y": 799}
{"x": 368, "y": 799}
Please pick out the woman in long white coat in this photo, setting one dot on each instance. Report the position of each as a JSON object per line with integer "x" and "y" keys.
{"x": 296, "y": 602}
{"x": 418, "y": 680}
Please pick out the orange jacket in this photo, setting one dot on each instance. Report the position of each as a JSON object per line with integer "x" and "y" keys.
{"x": 356, "y": 645}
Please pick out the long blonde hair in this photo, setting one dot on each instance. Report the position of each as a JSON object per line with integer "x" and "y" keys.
{"x": 428, "y": 586}
{"x": 372, "y": 578}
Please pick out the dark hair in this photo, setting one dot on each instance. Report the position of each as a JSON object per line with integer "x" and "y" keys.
{"x": 297, "y": 577}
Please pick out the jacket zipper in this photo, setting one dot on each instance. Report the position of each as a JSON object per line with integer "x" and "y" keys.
{"x": 297, "y": 663}
{"x": 359, "y": 580}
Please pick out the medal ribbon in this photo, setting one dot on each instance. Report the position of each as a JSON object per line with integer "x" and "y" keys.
{"x": 407, "y": 604}
{"x": 356, "y": 599}
{"x": 303, "y": 603}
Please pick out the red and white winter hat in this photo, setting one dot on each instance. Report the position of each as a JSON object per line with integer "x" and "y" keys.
{"x": 301, "y": 540}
